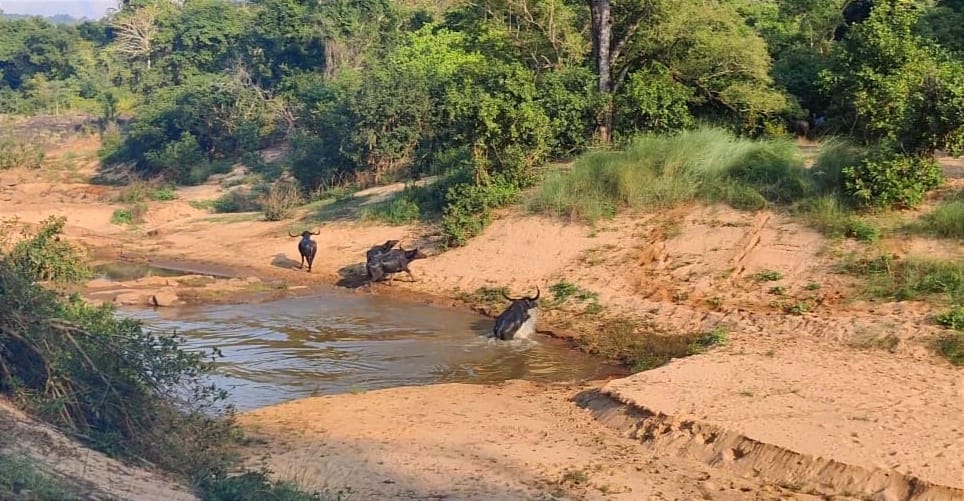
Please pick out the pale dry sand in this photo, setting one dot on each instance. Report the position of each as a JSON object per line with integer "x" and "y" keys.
{"x": 518, "y": 440}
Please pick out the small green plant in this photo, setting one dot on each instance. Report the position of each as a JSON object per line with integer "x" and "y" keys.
{"x": 486, "y": 295}
{"x": 952, "y": 347}
{"x": 593, "y": 308}
{"x": 129, "y": 216}
{"x": 778, "y": 290}
{"x": 563, "y": 290}
{"x": 812, "y": 286}
{"x": 138, "y": 191}
{"x": 716, "y": 302}
{"x": 887, "y": 342}
{"x": 767, "y": 276}
{"x": 953, "y": 318}
{"x": 577, "y": 477}
{"x": 715, "y": 337}
{"x": 254, "y": 486}
{"x": 861, "y": 230}
{"x": 796, "y": 308}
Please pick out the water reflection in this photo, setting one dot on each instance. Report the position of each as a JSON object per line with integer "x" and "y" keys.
{"x": 336, "y": 343}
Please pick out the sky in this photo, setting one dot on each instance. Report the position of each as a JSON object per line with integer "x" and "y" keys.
{"x": 91, "y": 9}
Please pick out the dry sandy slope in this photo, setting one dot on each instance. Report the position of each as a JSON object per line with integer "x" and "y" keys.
{"x": 518, "y": 440}
{"x": 94, "y": 475}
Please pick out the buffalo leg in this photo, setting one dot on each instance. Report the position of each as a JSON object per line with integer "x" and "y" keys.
{"x": 410, "y": 276}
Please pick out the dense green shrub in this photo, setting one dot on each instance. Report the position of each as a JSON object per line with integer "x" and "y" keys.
{"x": 652, "y": 101}
{"x": 886, "y": 179}
{"x": 45, "y": 256}
{"x": 106, "y": 379}
{"x": 468, "y": 208}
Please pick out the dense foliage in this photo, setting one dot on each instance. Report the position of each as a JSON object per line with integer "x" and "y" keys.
{"x": 125, "y": 390}
{"x": 484, "y": 93}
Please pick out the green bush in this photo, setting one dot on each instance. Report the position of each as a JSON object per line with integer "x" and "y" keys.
{"x": 952, "y": 347}
{"x": 953, "y": 318}
{"x": 101, "y": 377}
{"x": 886, "y": 179}
{"x": 131, "y": 393}
{"x": 45, "y": 256}
{"x": 253, "y": 486}
{"x": 468, "y": 208}
{"x": 239, "y": 200}
{"x": 834, "y": 156}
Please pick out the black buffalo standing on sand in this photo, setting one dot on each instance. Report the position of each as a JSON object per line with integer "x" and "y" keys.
{"x": 519, "y": 319}
{"x": 307, "y": 248}
{"x": 391, "y": 262}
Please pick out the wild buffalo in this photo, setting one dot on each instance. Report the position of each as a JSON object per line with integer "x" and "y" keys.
{"x": 378, "y": 250}
{"x": 519, "y": 319}
{"x": 391, "y": 262}
{"x": 307, "y": 248}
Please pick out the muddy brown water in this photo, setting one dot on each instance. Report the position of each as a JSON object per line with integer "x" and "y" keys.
{"x": 335, "y": 342}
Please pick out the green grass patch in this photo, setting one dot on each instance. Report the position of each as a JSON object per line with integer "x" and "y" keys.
{"x": 910, "y": 279}
{"x": 636, "y": 344}
{"x": 397, "y": 211}
{"x": 254, "y": 486}
{"x": 952, "y": 347}
{"x": 832, "y": 217}
{"x": 20, "y": 475}
{"x": 662, "y": 171}
{"x": 945, "y": 221}
{"x": 141, "y": 191}
{"x": 129, "y": 216}
{"x": 767, "y": 276}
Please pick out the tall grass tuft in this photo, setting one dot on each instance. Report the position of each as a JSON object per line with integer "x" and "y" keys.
{"x": 946, "y": 220}
{"x": 835, "y": 155}
{"x": 910, "y": 279}
{"x": 662, "y": 171}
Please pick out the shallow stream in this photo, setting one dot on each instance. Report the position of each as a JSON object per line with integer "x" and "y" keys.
{"x": 336, "y": 342}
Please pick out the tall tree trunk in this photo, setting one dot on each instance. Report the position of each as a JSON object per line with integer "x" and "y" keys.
{"x": 601, "y": 52}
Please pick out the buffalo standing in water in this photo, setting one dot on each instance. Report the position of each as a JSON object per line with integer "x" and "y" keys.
{"x": 519, "y": 319}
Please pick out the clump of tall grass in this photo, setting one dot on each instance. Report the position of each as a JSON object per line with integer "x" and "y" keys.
{"x": 280, "y": 199}
{"x": 946, "y": 220}
{"x": 662, "y": 171}
{"x": 908, "y": 279}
